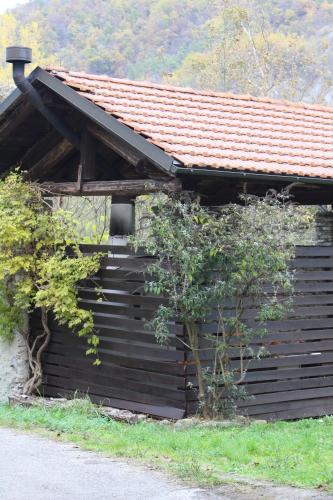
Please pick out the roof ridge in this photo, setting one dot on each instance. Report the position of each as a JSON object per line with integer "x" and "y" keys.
{"x": 188, "y": 90}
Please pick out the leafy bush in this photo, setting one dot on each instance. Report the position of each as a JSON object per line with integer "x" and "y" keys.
{"x": 213, "y": 263}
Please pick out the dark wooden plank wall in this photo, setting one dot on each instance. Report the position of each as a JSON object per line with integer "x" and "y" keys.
{"x": 136, "y": 373}
{"x": 294, "y": 380}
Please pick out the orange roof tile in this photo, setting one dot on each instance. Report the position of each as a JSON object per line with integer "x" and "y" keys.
{"x": 217, "y": 130}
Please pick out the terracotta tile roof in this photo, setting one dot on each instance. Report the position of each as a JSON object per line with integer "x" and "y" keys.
{"x": 217, "y": 130}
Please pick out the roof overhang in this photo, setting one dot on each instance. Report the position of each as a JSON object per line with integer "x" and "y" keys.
{"x": 254, "y": 176}
{"x": 126, "y": 135}
{"x": 109, "y": 123}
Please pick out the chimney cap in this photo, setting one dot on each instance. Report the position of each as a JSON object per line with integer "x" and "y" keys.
{"x": 19, "y": 54}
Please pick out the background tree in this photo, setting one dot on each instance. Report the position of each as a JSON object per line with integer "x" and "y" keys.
{"x": 185, "y": 41}
{"x": 13, "y": 32}
{"x": 246, "y": 54}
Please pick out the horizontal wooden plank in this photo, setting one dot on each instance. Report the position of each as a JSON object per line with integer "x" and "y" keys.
{"x": 129, "y": 324}
{"x": 119, "y": 274}
{"x": 288, "y": 373}
{"x": 289, "y": 385}
{"x": 126, "y": 360}
{"x": 133, "y": 261}
{"x": 155, "y": 410}
{"x": 313, "y": 299}
{"x": 308, "y": 263}
{"x": 289, "y": 361}
{"x": 110, "y": 249}
{"x": 276, "y": 387}
{"x": 300, "y": 348}
{"x": 287, "y": 349}
{"x": 323, "y": 408}
{"x": 291, "y": 337}
{"x": 314, "y": 251}
{"x": 282, "y": 396}
{"x": 127, "y": 310}
{"x": 120, "y": 347}
{"x": 299, "y": 312}
{"x": 317, "y": 275}
{"x": 106, "y": 332}
{"x": 286, "y": 405}
{"x": 113, "y": 369}
{"x": 119, "y": 297}
{"x": 279, "y": 326}
{"x": 113, "y": 392}
{"x": 116, "y": 382}
{"x": 131, "y": 287}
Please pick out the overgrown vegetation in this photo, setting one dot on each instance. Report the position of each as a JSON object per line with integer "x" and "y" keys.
{"x": 40, "y": 267}
{"x": 297, "y": 453}
{"x": 212, "y": 264}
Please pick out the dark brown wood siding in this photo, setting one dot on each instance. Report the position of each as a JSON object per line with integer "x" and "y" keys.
{"x": 136, "y": 372}
{"x": 295, "y": 377}
{"x": 293, "y": 380}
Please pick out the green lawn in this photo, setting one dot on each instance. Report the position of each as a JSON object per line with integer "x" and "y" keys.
{"x": 296, "y": 453}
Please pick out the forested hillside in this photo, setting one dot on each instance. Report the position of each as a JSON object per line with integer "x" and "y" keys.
{"x": 279, "y": 48}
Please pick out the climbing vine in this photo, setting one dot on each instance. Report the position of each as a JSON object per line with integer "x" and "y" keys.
{"x": 40, "y": 267}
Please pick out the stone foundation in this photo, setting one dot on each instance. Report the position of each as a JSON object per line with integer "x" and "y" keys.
{"x": 13, "y": 367}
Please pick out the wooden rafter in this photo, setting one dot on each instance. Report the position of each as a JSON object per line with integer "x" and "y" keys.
{"x": 34, "y": 154}
{"x": 15, "y": 119}
{"x": 122, "y": 150}
{"x": 50, "y": 160}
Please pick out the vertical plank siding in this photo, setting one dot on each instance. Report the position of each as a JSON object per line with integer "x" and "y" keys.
{"x": 293, "y": 380}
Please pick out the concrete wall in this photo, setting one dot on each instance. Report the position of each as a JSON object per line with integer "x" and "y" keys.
{"x": 13, "y": 367}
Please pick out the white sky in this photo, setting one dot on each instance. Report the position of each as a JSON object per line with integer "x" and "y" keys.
{"x": 8, "y": 4}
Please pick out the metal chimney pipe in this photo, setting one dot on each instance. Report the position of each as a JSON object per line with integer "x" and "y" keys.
{"x": 19, "y": 57}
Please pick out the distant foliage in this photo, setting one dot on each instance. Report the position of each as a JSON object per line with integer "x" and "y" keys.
{"x": 40, "y": 267}
{"x": 278, "y": 48}
{"x": 247, "y": 53}
{"x": 92, "y": 215}
{"x": 215, "y": 262}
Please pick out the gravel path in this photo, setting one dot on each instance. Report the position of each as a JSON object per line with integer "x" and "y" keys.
{"x": 36, "y": 468}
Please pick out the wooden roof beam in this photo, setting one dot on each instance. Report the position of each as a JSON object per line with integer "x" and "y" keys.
{"x": 34, "y": 154}
{"x": 107, "y": 188}
{"x": 50, "y": 160}
{"x": 15, "y": 118}
{"x": 115, "y": 145}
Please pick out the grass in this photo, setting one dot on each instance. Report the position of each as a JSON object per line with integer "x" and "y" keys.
{"x": 296, "y": 453}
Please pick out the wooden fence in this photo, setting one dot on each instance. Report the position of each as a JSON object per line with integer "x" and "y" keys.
{"x": 294, "y": 380}
{"x": 136, "y": 373}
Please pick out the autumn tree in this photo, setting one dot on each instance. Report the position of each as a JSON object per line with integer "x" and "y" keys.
{"x": 12, "y": 32}
{"x": 246, "y": 54}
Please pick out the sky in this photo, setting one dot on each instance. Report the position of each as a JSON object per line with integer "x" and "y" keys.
{"x": 7, "y": 4}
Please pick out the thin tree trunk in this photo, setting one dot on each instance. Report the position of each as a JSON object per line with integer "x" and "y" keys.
{"x": 193, "y": 335}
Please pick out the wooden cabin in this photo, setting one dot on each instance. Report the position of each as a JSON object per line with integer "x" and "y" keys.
{"x": 81, "y": 134}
